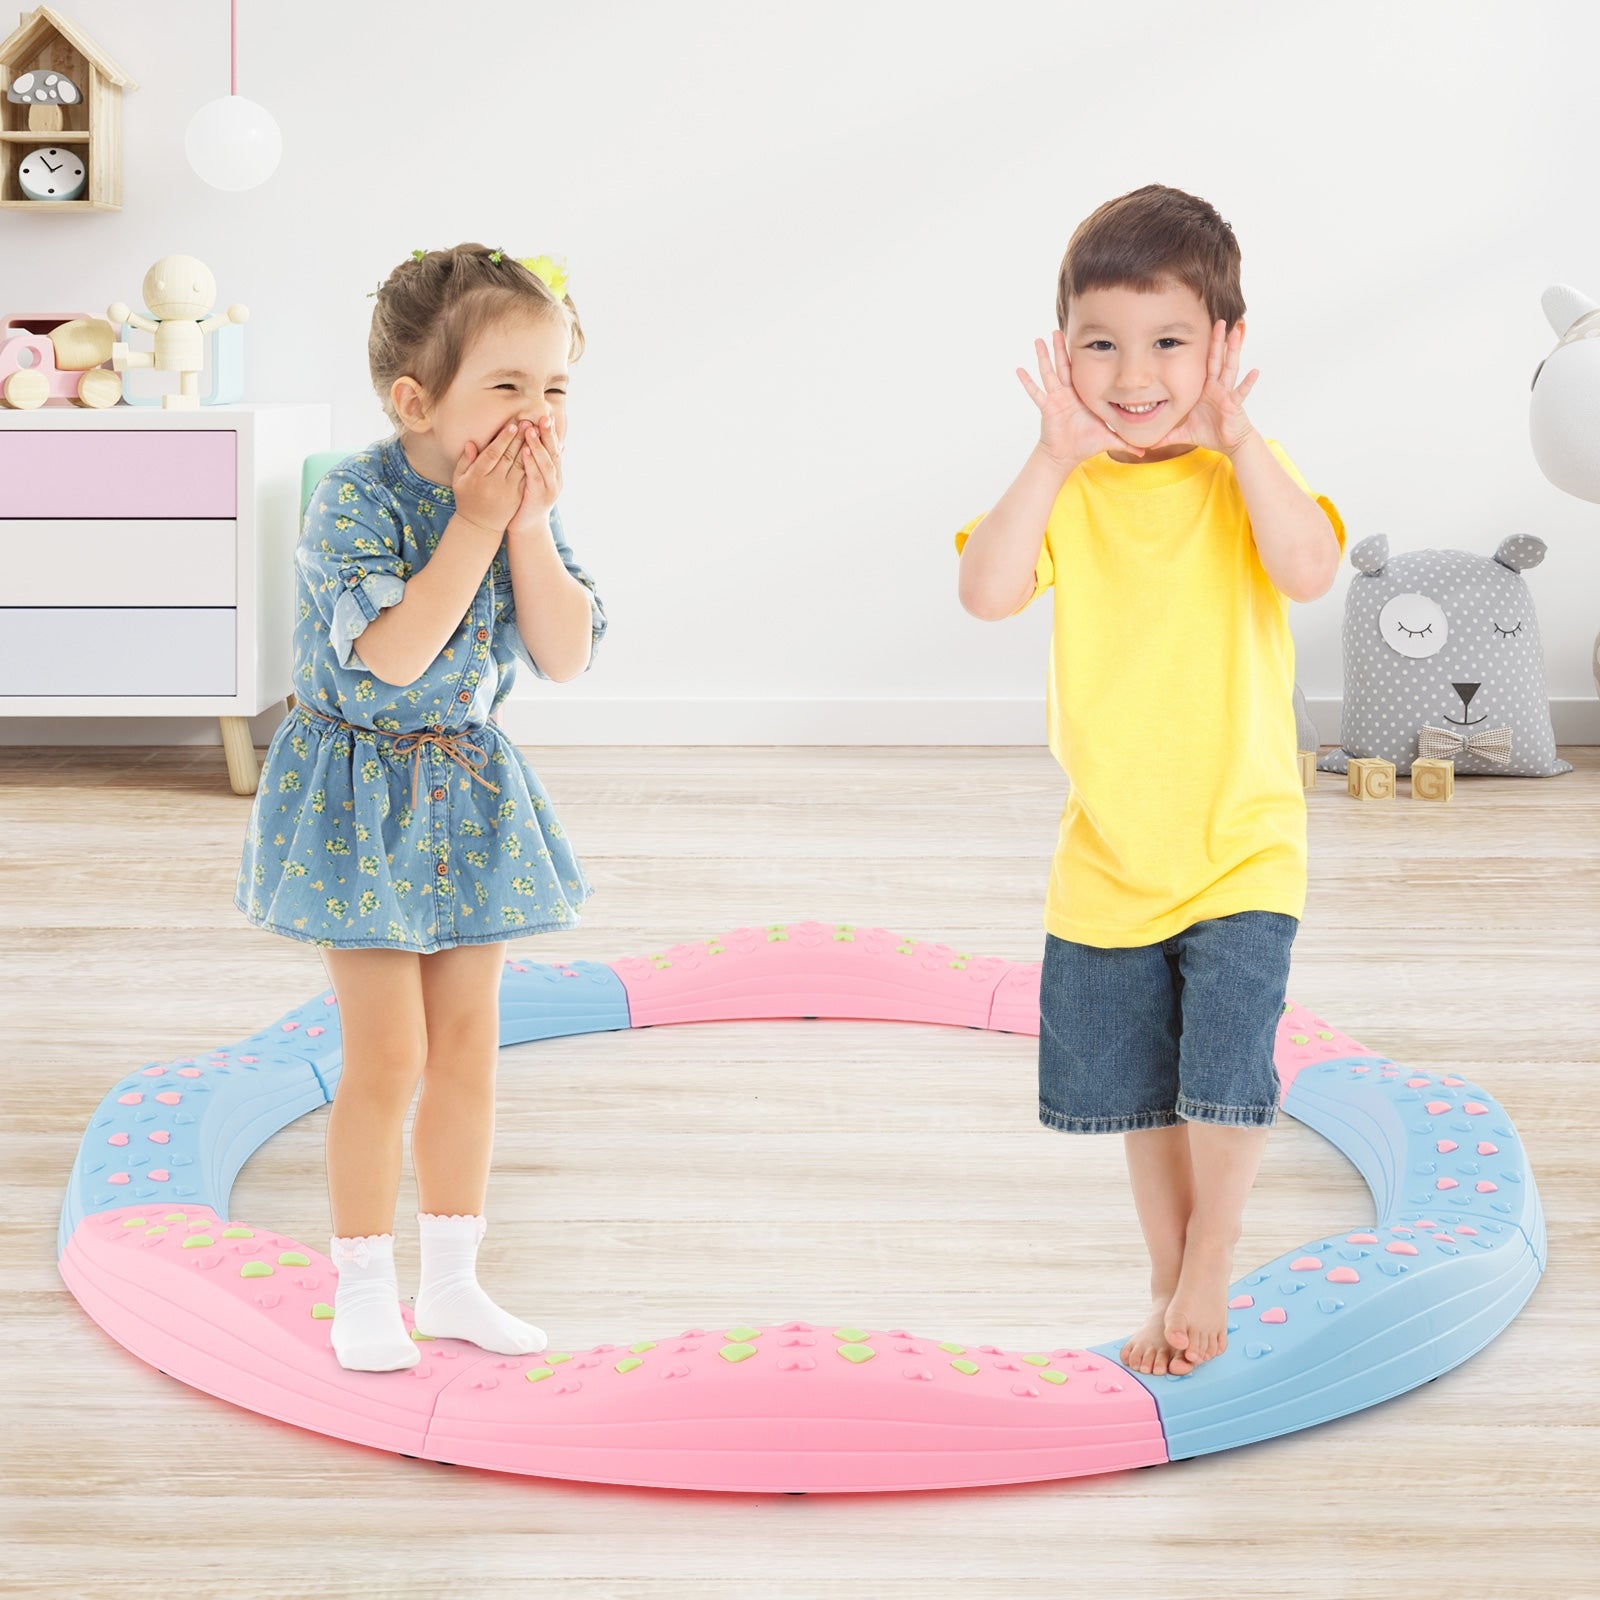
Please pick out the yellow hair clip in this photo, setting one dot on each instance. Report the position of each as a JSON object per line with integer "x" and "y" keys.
{"x": 548, "y": 268}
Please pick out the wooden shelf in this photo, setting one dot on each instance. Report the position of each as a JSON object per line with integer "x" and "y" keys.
{"x": 55, "y": 205}
{"x": 46, "y": 41}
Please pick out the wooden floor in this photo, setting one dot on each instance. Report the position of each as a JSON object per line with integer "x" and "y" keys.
{"x": 882, "y": 1174}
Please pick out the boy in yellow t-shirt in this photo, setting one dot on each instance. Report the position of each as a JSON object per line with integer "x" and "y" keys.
{"x": 1174, "y": 536}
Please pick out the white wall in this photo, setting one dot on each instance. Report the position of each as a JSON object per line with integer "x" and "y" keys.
{"x": 810, "y": 244}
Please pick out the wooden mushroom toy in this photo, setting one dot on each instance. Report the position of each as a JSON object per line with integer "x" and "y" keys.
{"x": 44, "y": 94}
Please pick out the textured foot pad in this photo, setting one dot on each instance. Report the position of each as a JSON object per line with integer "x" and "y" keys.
{"x": 1351, "y": 1318}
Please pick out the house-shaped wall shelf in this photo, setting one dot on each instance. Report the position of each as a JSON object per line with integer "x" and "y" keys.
{"x": 84, "y": 122}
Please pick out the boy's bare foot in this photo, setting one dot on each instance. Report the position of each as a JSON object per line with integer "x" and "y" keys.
{"x": 1148, "y": 1350}
{"x": 1196, "y": 1323}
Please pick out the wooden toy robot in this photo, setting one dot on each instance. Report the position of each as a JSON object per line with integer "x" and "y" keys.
{"x": 179, "y": 291}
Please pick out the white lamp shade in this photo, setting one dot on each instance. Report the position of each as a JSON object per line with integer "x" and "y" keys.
{"x": 1564, "y": 412}
{"x": 233, "y": 143}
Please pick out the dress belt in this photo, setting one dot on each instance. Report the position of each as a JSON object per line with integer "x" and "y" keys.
{"x": 466, "y": 755}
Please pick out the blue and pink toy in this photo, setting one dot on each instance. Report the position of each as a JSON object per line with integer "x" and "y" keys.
{"x": 1353, "y": 1317}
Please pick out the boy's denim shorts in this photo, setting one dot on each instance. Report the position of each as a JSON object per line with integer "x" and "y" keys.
{"x": 1142, "y": 1037}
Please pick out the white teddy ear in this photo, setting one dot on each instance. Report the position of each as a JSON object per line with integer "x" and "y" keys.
{"x": 1563, "y": 305}
{"x": 1371, "y": 556}
{"x": 1521, "y": 551}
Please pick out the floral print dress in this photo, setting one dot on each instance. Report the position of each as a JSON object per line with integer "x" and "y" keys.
{"x": 402, "y": 818}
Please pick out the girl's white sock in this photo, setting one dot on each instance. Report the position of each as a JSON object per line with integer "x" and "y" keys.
{"x": 368, "y": 1333}
{"x": 450, "y": 1302}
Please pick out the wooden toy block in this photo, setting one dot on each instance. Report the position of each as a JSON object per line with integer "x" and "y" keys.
{"x": 1371, "y": 779}
{"x": 1432, "y": 779}
{"x": 1308, "y": 768}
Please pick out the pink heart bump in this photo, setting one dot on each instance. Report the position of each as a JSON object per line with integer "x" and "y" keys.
{"x": 155, "y": 1072}
{"x": 1446, "y": 1183}
{"x": 1474, "y": 1109}
{"x": 1275, "y": 1314}
{"x": 1438, "y": 1107}
{"x": 118, "y": 1177}
{"x": 118, "y": 1139}
{"x": 1240, "y": 1301}
{"x": 160, "y": 1136}
{"x": 1344, "y": 1275}
{"x": 132, "y": 1098}
{"x": 1485, "y": 1187}
{"x": 1416, "y": 1083}
{"x": 160, "y": 1175}
{"x": 1445, "y": 1146}
{"x": 1454, "y": 1083}
{"x": 1361, "y": 1238}
{"x": 1487, "y": 1149}
{"x": 1398, "y": 1248}
{"x": 1306, "y": 1264}
{"x": 188, "y": 1072}
{"x": 1464, "y": 1228}
{"x": 169, "y": 1097}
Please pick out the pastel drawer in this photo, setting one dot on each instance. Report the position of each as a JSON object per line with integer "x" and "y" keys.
{"x": 117, "y": 651}
{"x": 122, "y": 472}
{"x": 157, "y": 561}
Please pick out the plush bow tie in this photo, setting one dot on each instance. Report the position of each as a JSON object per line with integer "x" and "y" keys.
{"x": 1444, "y": 744}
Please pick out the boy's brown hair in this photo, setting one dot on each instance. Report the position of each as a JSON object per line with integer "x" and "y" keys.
{"x": 432, "y": 306}
{"x": 1148, "y": 238}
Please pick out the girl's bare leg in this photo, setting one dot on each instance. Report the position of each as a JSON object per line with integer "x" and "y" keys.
{"x": 384, "y": 1030}
{"x": 1225, "y": 1160}
{"x": 451, "y": 1142}
{"x": 452, "y": 1135}
{"x": 1163, "y": 1194}
{"x": 384, "y": 1044}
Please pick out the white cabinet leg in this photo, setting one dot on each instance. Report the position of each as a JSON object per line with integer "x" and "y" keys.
{"x": 243, "y": 772}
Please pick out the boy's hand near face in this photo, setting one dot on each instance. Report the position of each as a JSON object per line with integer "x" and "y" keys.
{"x": 1069, "y": 432}
{"x": 1217, "y": 420}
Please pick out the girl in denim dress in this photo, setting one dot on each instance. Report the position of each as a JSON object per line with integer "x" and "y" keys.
{"x": 395, "y": 826}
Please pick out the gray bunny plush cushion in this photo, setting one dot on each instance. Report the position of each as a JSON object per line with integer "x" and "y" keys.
{"x": 1445, "y": 641}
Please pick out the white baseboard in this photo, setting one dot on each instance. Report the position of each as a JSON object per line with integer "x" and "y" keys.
{"x": 551, "y": 719}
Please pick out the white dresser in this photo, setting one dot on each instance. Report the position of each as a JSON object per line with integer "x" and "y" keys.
{"x": 147, "y": 562}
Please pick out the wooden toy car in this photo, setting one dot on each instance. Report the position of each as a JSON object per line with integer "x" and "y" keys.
{"x": 57, "y": 357}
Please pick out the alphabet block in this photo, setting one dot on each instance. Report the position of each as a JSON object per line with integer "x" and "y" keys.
{"x": 1370, "y": 779}
{"x": 1432, "y": 780}
{"x": 1308, "y": 768}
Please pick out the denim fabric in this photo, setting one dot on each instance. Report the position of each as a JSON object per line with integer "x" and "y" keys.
{"x": 336, "y": 852}
{"x": 1146, "y": 1035}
